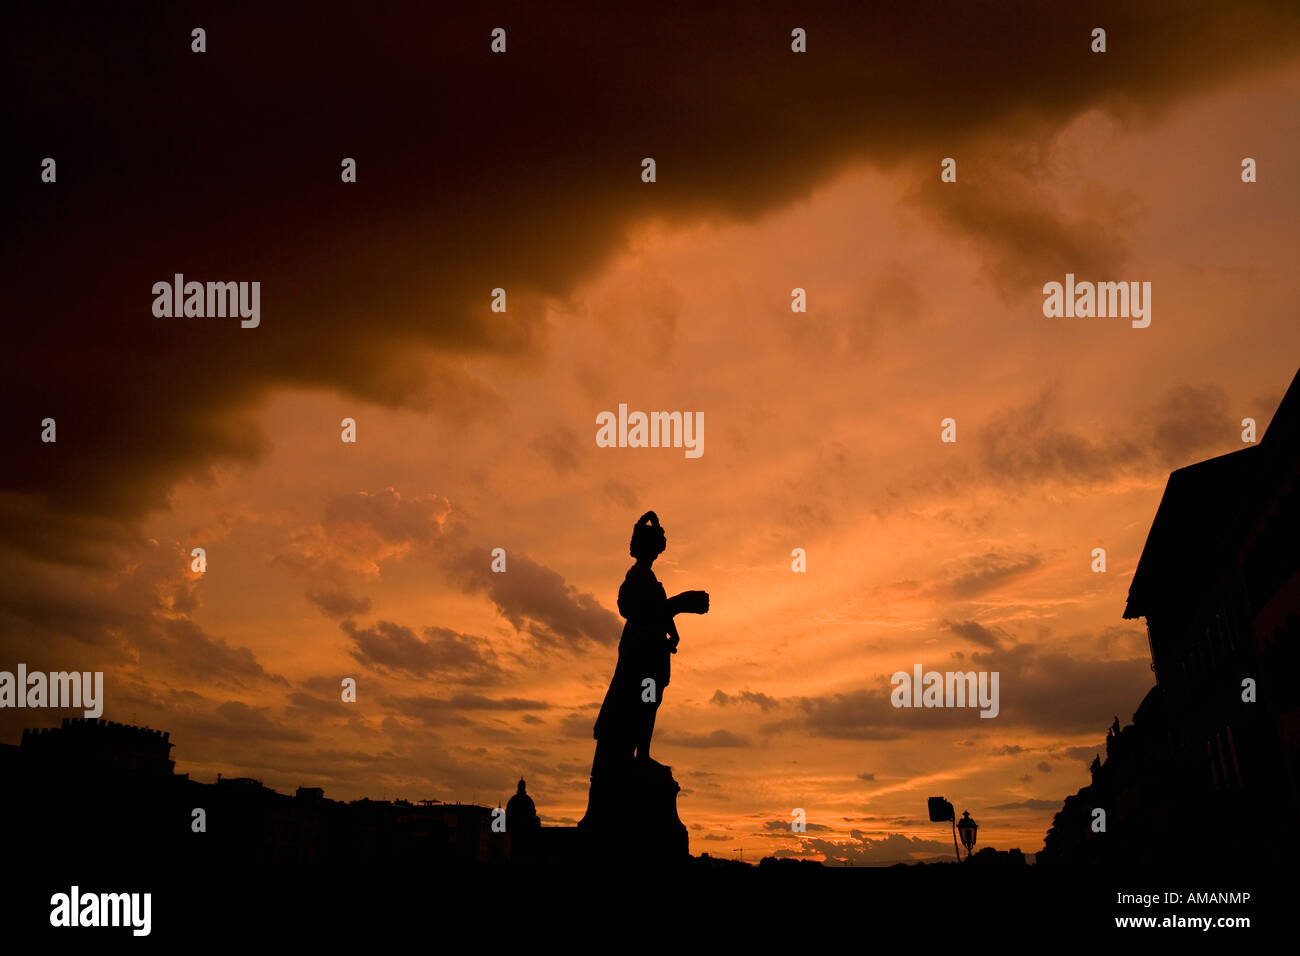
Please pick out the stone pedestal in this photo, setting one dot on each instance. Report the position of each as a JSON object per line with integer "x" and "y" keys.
{"x": 632, "y": 815}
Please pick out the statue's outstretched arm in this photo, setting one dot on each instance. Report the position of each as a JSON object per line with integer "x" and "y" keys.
{"x": 689, "y": 602}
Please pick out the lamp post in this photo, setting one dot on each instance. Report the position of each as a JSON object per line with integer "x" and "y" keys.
{"x": 967, "y": 826}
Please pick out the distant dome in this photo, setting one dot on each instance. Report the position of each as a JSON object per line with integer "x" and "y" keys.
{"x": 520, "y": 809}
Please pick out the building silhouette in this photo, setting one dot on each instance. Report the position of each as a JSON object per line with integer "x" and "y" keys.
{"x": 93, "y": 789}
{"x": 103, "y": 745}
{"x": 1205, "y": 772}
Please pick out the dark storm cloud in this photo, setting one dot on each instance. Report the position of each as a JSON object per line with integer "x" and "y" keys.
{"x": 867, "y": 715}
{"x": 338, "y": 603}
{"x": 140, "y": 615}
{"x": 1021, "y": 233}
{"x": 1029, "y": 805}
{"x": 619, "y": 493}
{"x": 1189, "y": 421}
{"x": 579, "y": 725}
{"x": 444, "y": 710}
{"x": 474, "y": 171}
{"x": 560, "y": 448}
{"x": 894, "y": 298}
{"x": 479, "y": 702}
{"x": 1051, "y": 690}
{"x": 314, "y": 707}
{"x": 537, "y": 600}
{"x": 236, "y": 718}
{"x": 716, "y": 738}
{"x": 329, "y": 686}
{"x": 783, "y": 826}
{"x": 199, "y": 721}
{"x": 1027, "y": 444}
{"x": 975, "y": 632}
{"x": 391, "y": 647}
{"x": 183, "y": 647}
{"x": 1039, "y": 688}
{"x": 988, "y": 571}
{"x": 764, "y": 702}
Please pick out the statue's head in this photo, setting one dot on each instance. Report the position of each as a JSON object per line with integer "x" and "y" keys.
{"x": 648, "y": 539}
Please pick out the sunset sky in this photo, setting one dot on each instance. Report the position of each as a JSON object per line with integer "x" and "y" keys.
{"x": 476, "y": 429}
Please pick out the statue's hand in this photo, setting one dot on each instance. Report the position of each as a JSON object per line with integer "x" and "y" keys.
{"x": 692, "y": 602}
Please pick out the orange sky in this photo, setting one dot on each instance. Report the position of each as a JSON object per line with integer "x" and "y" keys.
{"x": 821, "y": 432}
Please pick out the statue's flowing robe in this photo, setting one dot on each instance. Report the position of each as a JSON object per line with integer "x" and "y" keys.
{"x": 643, "y": 651}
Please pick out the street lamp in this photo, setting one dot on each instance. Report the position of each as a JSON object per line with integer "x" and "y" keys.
{"x": 967, "y": 826}
{"x": 941, "y": 811}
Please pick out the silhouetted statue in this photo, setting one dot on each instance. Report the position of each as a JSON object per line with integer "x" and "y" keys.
{"x": 626, "y": 720}
{"x": 632, "y": 805}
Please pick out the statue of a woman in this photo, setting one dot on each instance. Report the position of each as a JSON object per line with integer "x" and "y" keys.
{"x": 627, "y": 717}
